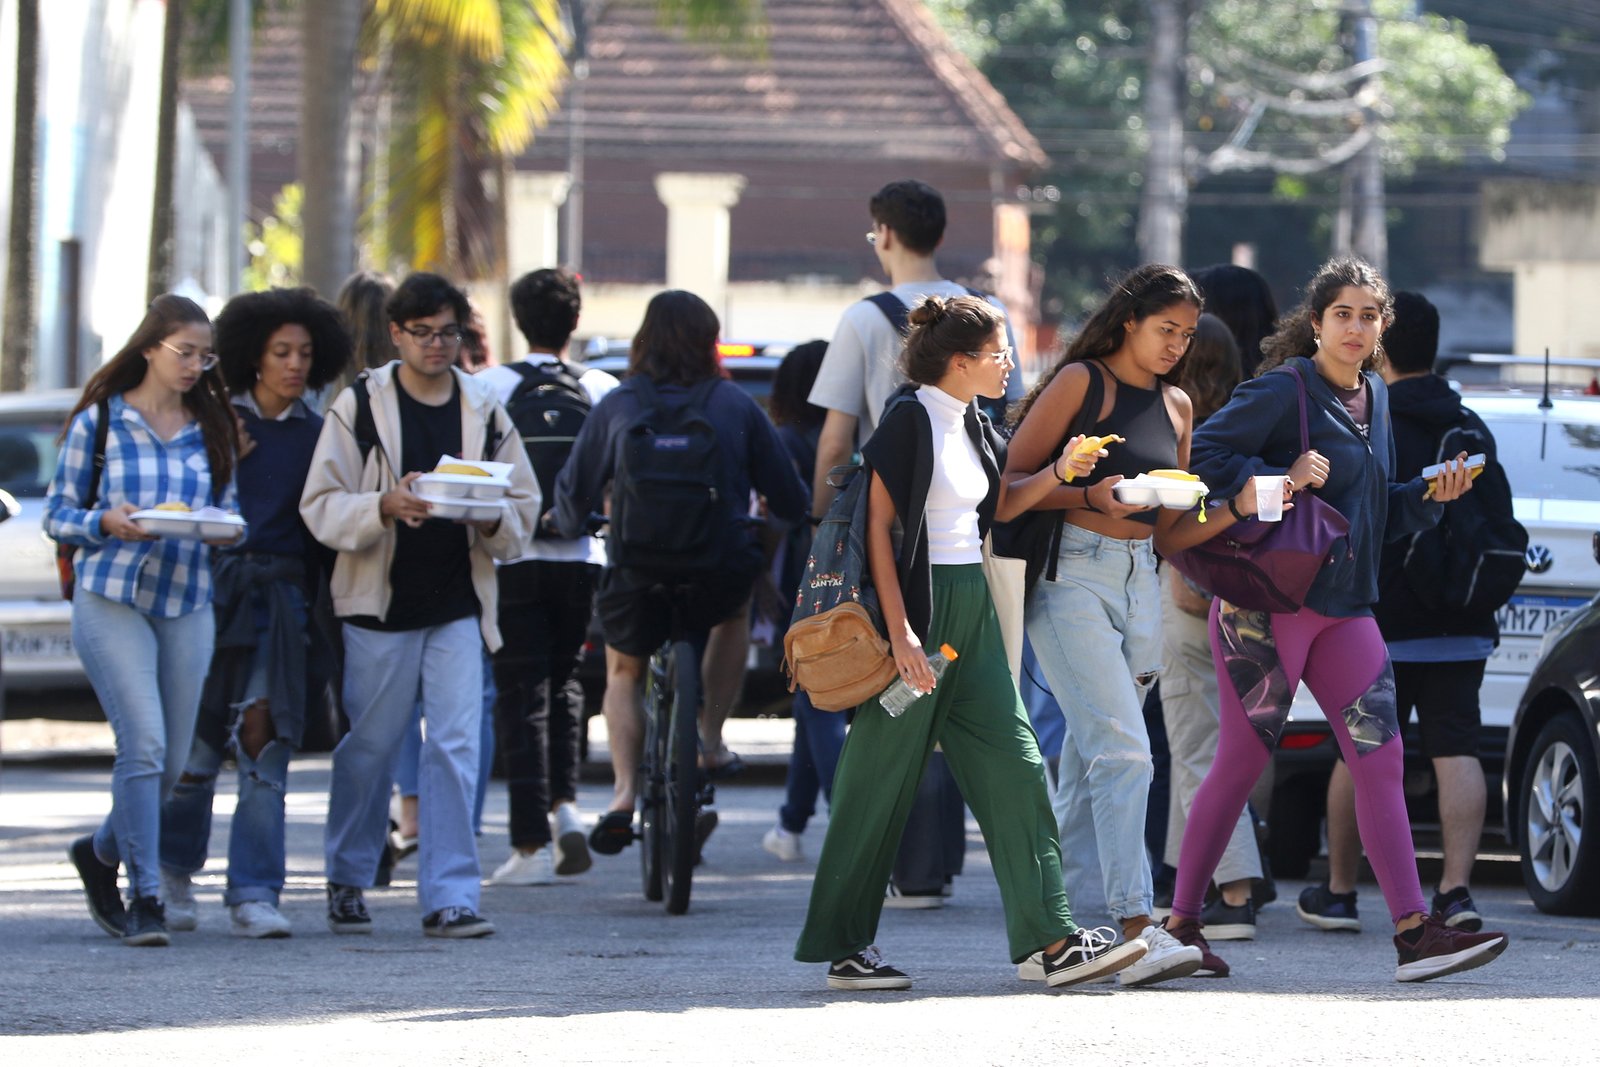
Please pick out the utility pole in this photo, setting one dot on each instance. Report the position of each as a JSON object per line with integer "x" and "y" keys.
{"x": 572, "y": 208}
{"x": 239, "y": 16}
{"x": 1163, "y": 197}
{"x": 162, "y": 239}
{"x": 17, "y": 344}
{"x": 1371, "y": 235}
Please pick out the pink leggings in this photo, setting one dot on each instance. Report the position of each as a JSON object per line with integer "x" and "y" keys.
{"x": 1261, "y": 659}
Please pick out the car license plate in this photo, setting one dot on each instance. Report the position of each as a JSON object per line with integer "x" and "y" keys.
{"x": 1531, "y": 616}
{"x": 37, "y": 644}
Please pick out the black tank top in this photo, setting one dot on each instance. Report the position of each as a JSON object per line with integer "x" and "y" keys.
{"x": 1141, "y": 416}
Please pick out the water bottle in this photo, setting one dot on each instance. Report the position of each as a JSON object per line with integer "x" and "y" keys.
{"x": 900, "y": 695}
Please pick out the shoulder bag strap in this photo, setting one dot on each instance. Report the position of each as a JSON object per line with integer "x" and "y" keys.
{"x": 102, "y": 427}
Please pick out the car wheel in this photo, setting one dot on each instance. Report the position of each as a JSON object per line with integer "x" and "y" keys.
{"x": 1560, "y": 851}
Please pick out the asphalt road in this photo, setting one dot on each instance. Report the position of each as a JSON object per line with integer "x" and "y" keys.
{"x": 588, "y": 971}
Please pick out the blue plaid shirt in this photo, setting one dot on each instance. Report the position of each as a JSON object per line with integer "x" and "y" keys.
{"x": 166, "y": 578}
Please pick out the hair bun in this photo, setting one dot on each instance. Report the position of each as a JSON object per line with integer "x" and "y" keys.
{"x": 929, "y": 311}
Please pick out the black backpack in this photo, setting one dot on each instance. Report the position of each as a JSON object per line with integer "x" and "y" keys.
{"x": 669, "y": 513}
{"x": 1474, "y": 559}
{"x": 548, "y": 407}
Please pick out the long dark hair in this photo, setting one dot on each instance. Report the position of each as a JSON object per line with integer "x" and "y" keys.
{"x": 789, "y": 403}
{"x": 677, "y": 341}
{"x": 1243, "y": 300}
{"x": 1295, "y": 336}
{"x": 942, "y": 327}
{"x": 248, "y": 321}
{"x": 207, "y": 401}
{"x": 1145, "y": 291}
{"x": 1210, "y": 368}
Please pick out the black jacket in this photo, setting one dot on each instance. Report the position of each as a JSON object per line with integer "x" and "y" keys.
{"x": 1423, "y": 409}
{"x": 900, "y": 451}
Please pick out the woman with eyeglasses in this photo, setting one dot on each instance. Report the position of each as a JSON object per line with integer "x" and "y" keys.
{"x": 141, "y": 618}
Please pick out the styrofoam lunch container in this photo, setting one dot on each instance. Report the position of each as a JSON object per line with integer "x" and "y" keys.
{"x": 491, "y": 487}
{"x": 204, "y": 524}
{"x": 1148, "y": 491}
{"x": 458, "y": 507}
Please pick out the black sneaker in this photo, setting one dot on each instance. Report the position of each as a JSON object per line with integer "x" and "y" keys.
{"x": 1456, "y": 909}
{"x": 457, "y": 923}
{"x": 146, "y": 925}
{"x": 1090, "y": 954}
{"x": 1225, "y": 922}
{"x": 866, "y": 970}
{"x": 347, "y": 910}
{"x": 1327, "y": 910}
{"x": 99, "y": 886}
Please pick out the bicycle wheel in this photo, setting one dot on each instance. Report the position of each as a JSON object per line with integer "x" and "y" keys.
{"x": 683, "y": 777}
{"x": 653, "y": 763}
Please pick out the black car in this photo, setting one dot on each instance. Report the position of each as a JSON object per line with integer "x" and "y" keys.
{"x": 1552, "y": 779}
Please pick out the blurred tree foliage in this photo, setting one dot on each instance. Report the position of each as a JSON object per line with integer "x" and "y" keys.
{"x": 1074, "y": 71}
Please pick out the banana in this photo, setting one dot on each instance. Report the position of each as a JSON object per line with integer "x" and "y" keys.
{"x": 1175, "y": 474}
{"x": 461, "y": 468}
{"x": 1090, "y": 445}
{"x": 172, "y": 505}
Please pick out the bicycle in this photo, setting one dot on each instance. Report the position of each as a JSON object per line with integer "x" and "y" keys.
{"x": 672, "y": 789}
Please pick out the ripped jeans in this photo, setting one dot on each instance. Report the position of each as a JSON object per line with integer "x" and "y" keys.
{"x": 1097, "y": 633}
{"x": 255, "y": 838}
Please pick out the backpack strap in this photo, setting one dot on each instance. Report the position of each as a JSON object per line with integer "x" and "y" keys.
{"x": 102, "y": 426}
{"x": 893, "y": 309}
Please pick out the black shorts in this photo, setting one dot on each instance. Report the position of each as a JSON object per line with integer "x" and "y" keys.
{"x": 636, "y": 613}
{"x": 1446, "y": 698}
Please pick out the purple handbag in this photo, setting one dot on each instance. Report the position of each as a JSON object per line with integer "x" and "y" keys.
{"x": 1269, "y": 566}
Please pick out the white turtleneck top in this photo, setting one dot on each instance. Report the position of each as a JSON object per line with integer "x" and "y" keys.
{"x": 958, "y": 486}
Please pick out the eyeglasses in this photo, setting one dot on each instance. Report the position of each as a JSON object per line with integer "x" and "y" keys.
{"x": 999, "y": 355}
{"x": 449, "y": 336}
{"x": 207, "y": 359}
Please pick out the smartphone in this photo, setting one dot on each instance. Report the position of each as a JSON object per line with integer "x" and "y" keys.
{"x": 1474, "y": 463}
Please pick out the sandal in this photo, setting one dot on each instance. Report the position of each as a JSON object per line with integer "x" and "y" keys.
{"x": 725, "y": 764}
{"x": 612, "y": 833}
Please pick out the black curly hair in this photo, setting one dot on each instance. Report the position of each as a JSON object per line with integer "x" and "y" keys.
{"x": 249, "y": 320}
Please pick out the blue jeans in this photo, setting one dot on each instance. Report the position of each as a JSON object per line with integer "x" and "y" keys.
{"x": 147, "y": 672}
{"x": 384, "y": 674}
{"x": 256, "y": 864}
{"x": 1104, "y": 609}
{"x": 406, "y": 766}
{"x": 818, "y": 737}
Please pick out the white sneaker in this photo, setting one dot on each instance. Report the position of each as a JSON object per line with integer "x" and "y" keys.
{"x": 571, "y": 840}
{"x": 538, "y": 868}
{"x": 1165, "y": 958}
{"x": 894, "y": 898}
{"x": 257, "y": 918}
{"x": 177, "y": 895}
{"x": 782, "y": 844}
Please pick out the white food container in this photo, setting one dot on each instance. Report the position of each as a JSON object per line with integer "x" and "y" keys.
{"x": 1149, "y": 491}
{"x": 460, "y": 507}
{"x": 471, "y": 486}
{"x": 205, "y": 524}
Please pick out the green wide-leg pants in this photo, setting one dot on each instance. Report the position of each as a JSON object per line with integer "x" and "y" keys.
{"x": 977, "y": 718}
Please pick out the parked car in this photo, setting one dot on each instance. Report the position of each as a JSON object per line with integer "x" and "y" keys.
{"x": 35, "y": 623}
{"x": 1552, "y": 779}
{"x": 1551, "y": 457}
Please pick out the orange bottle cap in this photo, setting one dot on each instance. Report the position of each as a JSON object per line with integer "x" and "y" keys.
{"x": 949, "y": 653}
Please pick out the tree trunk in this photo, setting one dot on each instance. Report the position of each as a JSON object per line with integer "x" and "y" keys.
{"x": 159, "y": 278}
{"x": 326, "y": 169}
{"x": 1162, "y": 200}
{"x": 1371, "y": 237}
{"x": 16, "y": 347}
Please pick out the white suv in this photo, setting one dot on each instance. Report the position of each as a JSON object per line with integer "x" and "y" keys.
{"x": 35, "y": 623}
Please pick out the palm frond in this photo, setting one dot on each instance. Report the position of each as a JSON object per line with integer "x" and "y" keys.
{"x": 473, "y": 29}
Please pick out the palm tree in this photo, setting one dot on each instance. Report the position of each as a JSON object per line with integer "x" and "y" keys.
{"x": 18, "y": 338}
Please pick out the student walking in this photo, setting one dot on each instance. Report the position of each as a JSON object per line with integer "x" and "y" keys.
{"x": 417, "y": 598}
{"x": 546, "y": 594}
{"x": 152, "y": 428}
{"x": 1330, "y": 347}
{"x": 1103, "y": 610}
{"x": 934, "y": 461}
{"x": 273, "y": 346}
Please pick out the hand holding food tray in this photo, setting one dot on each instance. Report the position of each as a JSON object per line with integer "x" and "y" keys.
{"x": 180, "y": 522}
{"x": 1162, "y": 488}
{"x": 1431, "y": 473}
{"x": 459, "y": 479}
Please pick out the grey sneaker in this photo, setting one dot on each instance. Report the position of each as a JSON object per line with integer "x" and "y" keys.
{"x": 177, "y": 895}
{"x": 258, "y": 919}
{"x": 457, "y": 923}
{"x": 347, "y": 910}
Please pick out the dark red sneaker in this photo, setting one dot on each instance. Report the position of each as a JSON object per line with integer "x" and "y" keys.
{"x": 1187, "y": 932}
{"x": 1443, "y": 950}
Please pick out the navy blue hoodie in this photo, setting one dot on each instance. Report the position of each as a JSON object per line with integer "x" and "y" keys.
{"x": 1258, "y": 432}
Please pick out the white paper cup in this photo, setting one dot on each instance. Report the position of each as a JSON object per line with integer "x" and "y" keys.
{"x": 1269, "y": 497}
